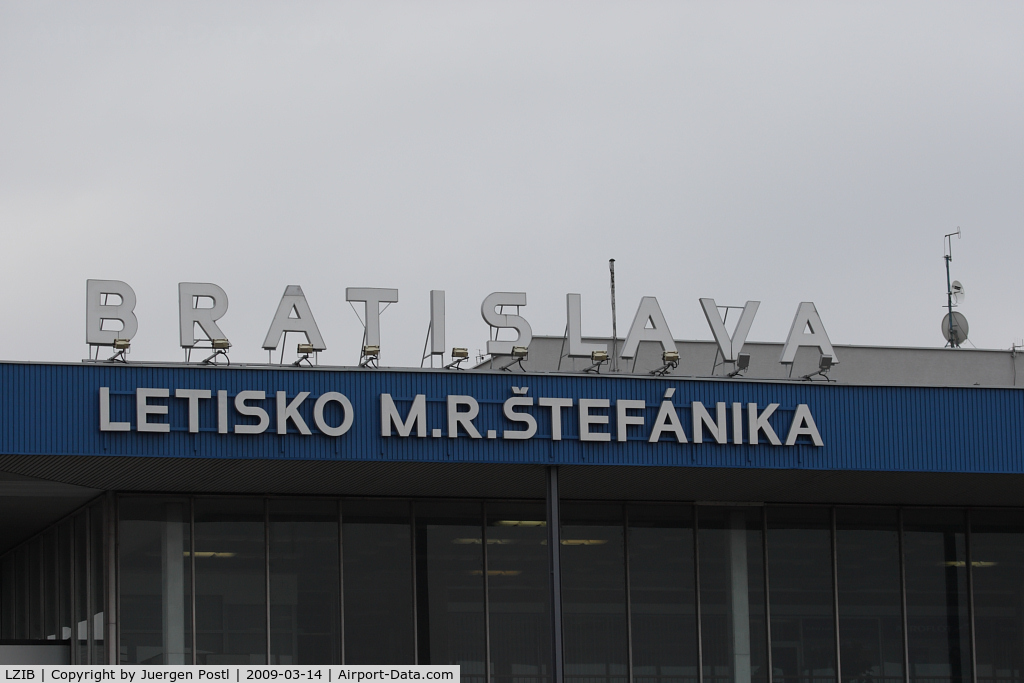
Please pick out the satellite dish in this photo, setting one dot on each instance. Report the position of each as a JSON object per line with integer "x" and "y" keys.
{"x": 958, "y": 292}
{"x": 960, "y": 328}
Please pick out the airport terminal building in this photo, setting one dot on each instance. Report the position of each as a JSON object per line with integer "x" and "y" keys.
{"x": 544, "y": 517}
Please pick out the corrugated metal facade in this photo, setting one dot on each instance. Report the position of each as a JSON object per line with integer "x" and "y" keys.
{"x": 51, "y": 409}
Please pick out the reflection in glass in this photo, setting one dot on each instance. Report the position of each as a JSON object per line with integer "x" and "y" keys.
{"x": 377, "y": 544}
{"x": 936, "y": 578}
{"x": 450, "y": 591}
{"x": 662, "y": 596}
{"x": 870, "y": 611}
{"x": 800, "y": 578}
{"x": 230, "y": 566}
{"x": 155, "y": 581}
{"x": 734, "y": 632}
{"x": 997, "y": 564}
{"x": 518, "y": 593}
{"x": 305, "y": 612}
{"x": 594, "y": 632}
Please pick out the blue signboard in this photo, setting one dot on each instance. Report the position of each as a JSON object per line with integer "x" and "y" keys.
{"x": 469, "y": 417}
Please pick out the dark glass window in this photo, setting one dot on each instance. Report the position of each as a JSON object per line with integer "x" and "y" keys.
{"x": 81, "y": 571}
{"x": 662, "y": 594}
{"x": 155, "y": 579}
{"x": 305, "y": 607}
{"x": 33, "y": 555}
{"x": 936, "y": 578}
{"x": 594, "y": 633}
{"x": 98, "y": 579}
{"x": 8, "y": 606}
{"x": 870, "y": 606}
{"x": 64, "y": 555}
{"x": 733, "y": 628}
{"x": 50, "y": 587}
{"x": 378, "y": 577}
{"x": 997, "y": 565}
{"x": 519, "y": 592}
{"x": 450, "y": 588}
{"x": 800, "y": 582}
{"x": 231, "y": 572}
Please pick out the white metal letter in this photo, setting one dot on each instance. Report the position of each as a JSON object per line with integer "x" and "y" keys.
{"x": 437, "y": 321}
{"x": 586, "y": 419}
{"x": 803, "y": 425}
{"x": 372, "y": 297}
{"x": 729, "y": 346}
{"x": 290, "y": 411}
{"x": 105, "y": 424}
{"x": 464, "y": 418}
{"x": 556, "y": 405}
{"x": 807, "y": 317}
{"x": 417, "y": 417}
{"x": 702, "y": 417}
{"x": 488, "y": 309}
{"x": 623, "y": 419}
{"x": 293, "y": 300}
{"x": 190, "y": 314}
{"x": 96, "y": 311}
{"x": 759, "y": 423}
{"x": 648, "y": 311}
{"x": 574, "y": 324}
{"x": 143, "y": 410}
{"x": 193, "y": 396}
{"x": 318, "y": 413}
{"x": 510, "y": 412}
{"x": 251, "y": 411}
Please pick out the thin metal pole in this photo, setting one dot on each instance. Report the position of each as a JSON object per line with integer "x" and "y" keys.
{"x": 767, "y": 593}
{"x": 970, "y": 596}
{"x": 835, "y": 594}
{"x": 72, "y": 592}
{"x": 629, "y": 597}
{"x": 696, "y": 595}
{"x": 487, "y": 593}
{"x": 341, "y": 582}
{"x": 266, "y": 566}
{"x": 554, "y": 566}
{"x": 903, "y": 599}
{"x": 88, "y": 588}
{"x": 192, "y": 570}
{"x": 615, "y": 329}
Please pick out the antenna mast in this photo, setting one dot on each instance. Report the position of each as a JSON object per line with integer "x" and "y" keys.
{"x": 948, "y": 255}
{"x": 615, "y": 332}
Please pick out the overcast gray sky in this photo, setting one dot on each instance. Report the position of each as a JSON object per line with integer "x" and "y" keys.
{"x": 784, "y": 152}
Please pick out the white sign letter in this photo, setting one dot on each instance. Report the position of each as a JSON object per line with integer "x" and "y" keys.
{"x": 143, "y": 410}
{"x": 293, "y": 300}
{"x": 488, "y": 309}
{"x": 372, "y": 297}
{"x": 290, "y": 411}
{"x": 251, "y": 411}
{"x": 417, "y": 416}
{"x": 649, "y": 311}
{"x": 807, "y": 318}
{"x": 97, "y": 310}
{"x": 574, "y": 322}
{"x": 803, "y": 425}
{"x": 464, "y": 418}
{"x": 190, "y": 314}
{"x": 318, "y": 413}
{"x": 586, "y": 419}
{"x": 105, "y": 424}
{"x": 729, "y": 346}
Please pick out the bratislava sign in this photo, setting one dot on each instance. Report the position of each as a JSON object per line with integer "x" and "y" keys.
{"x": 203, "y": 304}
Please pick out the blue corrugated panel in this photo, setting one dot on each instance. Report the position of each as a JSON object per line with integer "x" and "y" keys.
{"x": 54, "y": 410}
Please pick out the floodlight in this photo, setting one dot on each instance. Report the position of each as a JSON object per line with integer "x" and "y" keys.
{"x": 742, "y": 363}
{"x": 671, "y": 362}
{"x": 670, "y": 356}
{"x": 371, "y": 351}
{"x": 304, "y": 349}
{"x": 825, "y": 363}
{"x": 520, "y": 352}
{"x": 599, "y": 356}
{"x": 122, "y": 344}
{"x": 221, "y": 344}
{"x": 460, "y": 352}
{"x": 220, "y": 348}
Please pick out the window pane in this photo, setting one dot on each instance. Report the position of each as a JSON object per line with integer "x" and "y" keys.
{"x": 64, "y": 555}
{"x": 662, "y": 598}
{"x": 155, "y": 580}
{"x": 450, "y": 590}
{"x": 800, "y": 580}
{"x": 7, "y": 607}
{"x": 870, "y": 607}
{"x": 305, "y": 610}
{"x": 733, "y": 628}
{"x": 231, "y": 602}
{"x": 35, "y": 589}
{"x": 50, "y": 587}
{"x": 519, "y": 593}
{"x": 377, "y": 549}
{"x": 99, "y": 583}
{"x": 81, "y": 570}
{"x": 997, "y": 559}
{"x": 936, "y": 577}
{"x": 593, "y": 594}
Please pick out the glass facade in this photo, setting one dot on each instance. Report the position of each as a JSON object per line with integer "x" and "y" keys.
{"x": 650, "y": 593}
